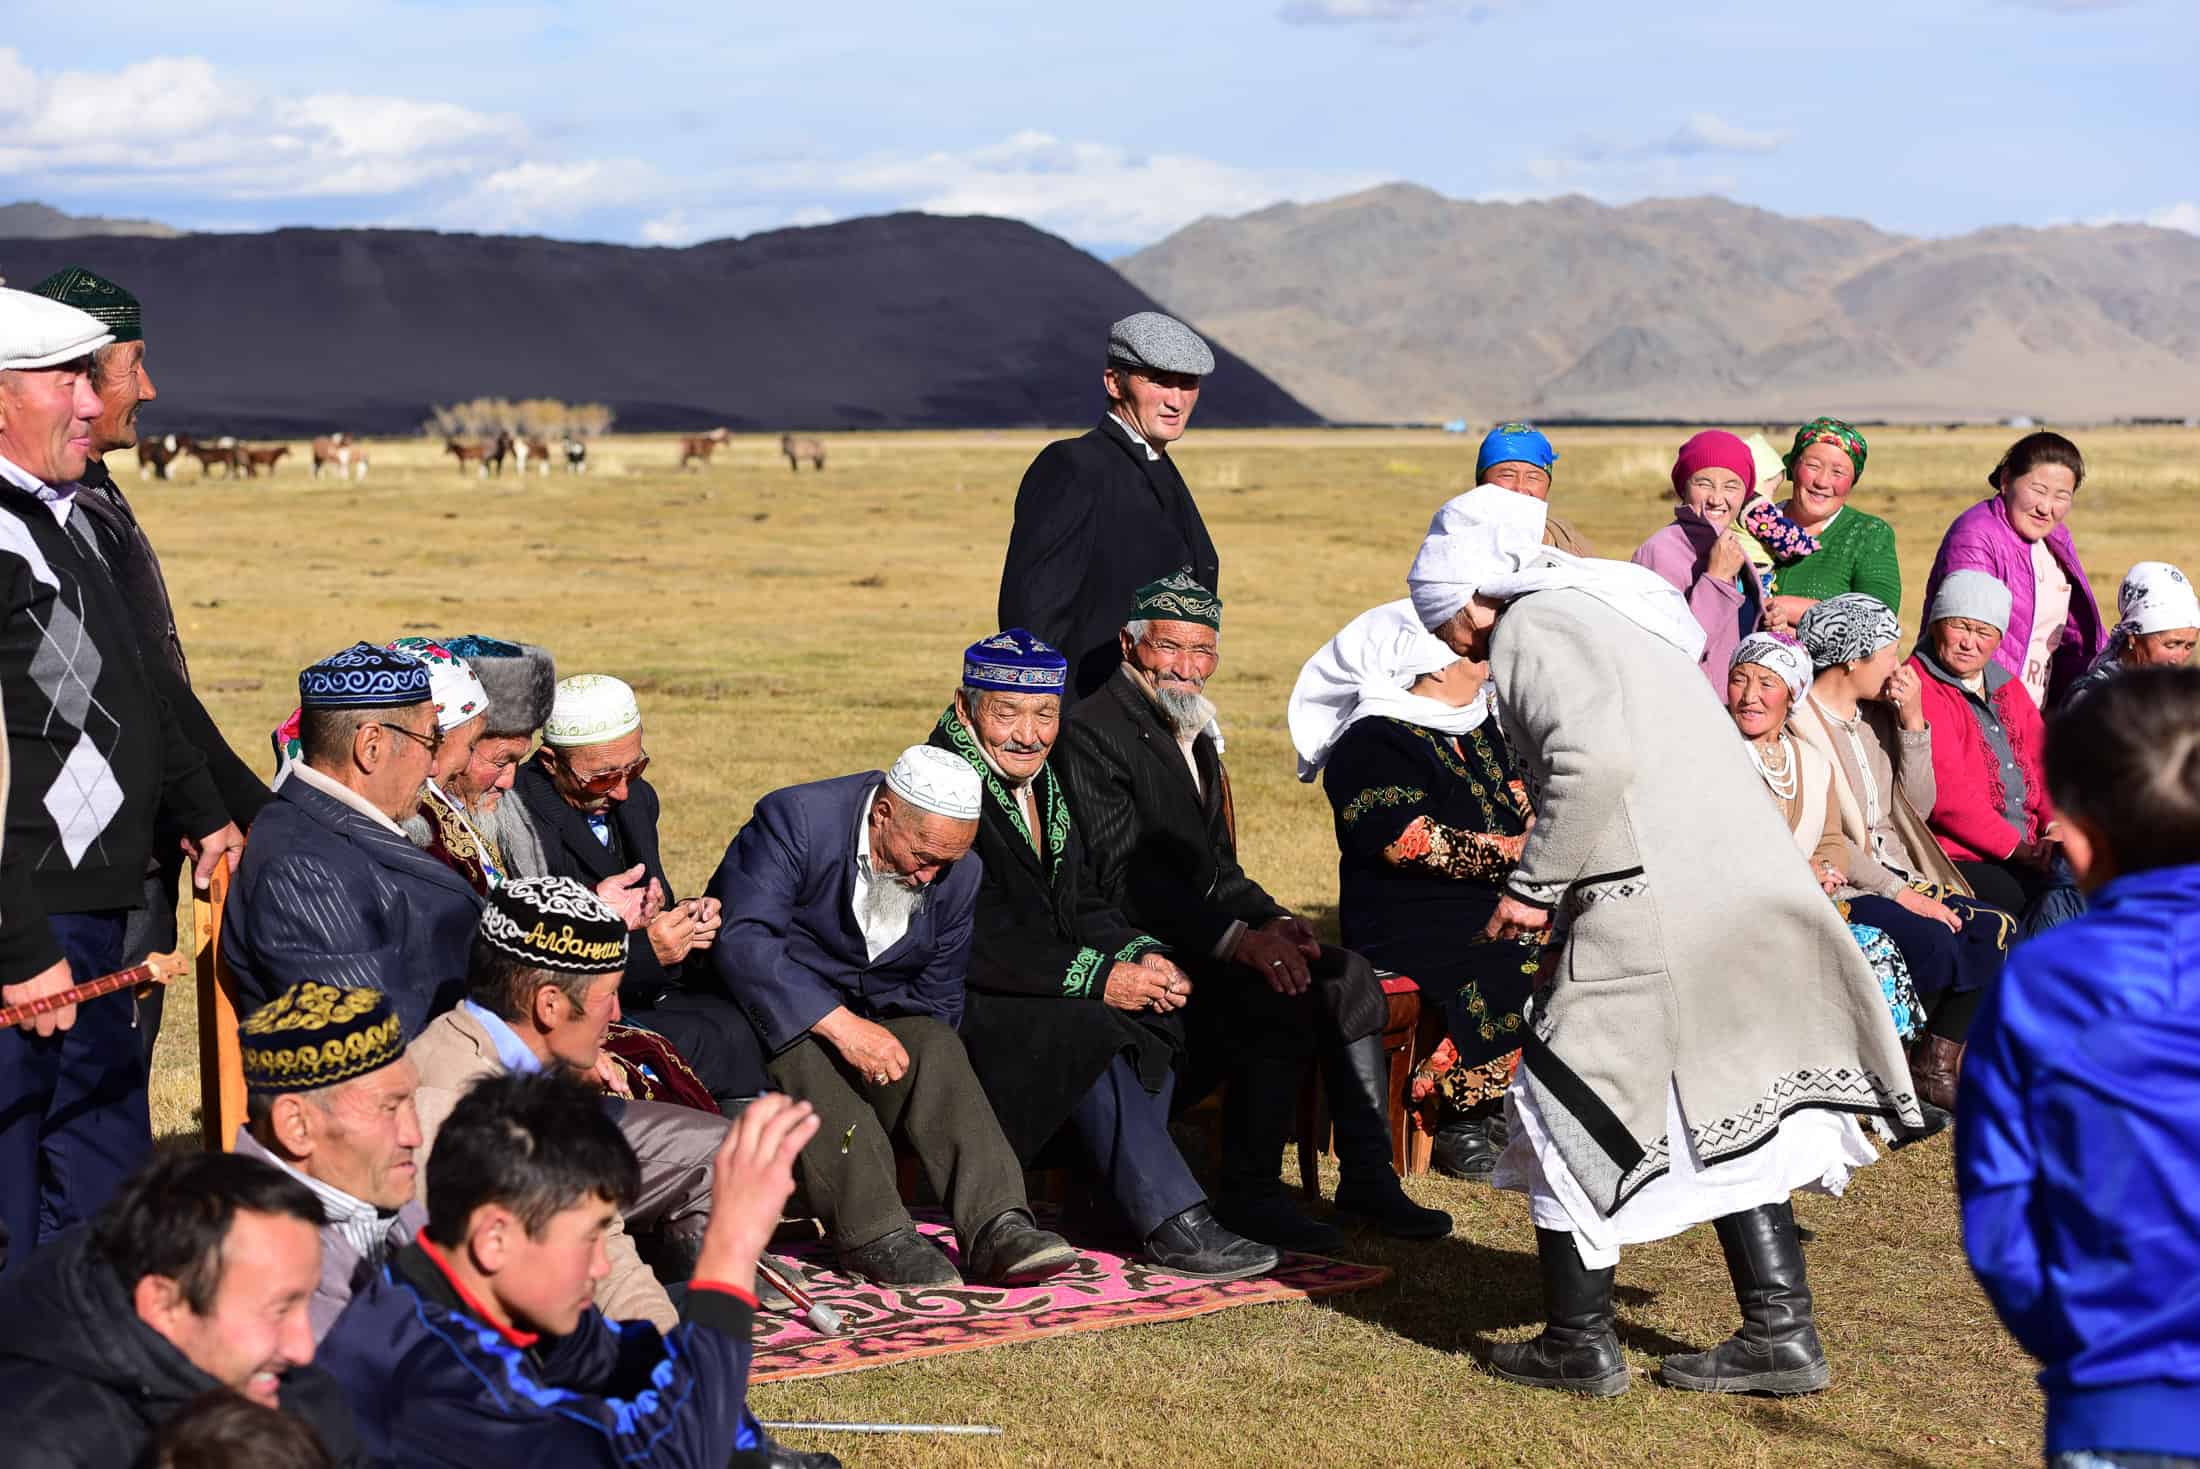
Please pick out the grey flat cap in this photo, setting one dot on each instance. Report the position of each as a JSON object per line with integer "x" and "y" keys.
{"x": 1160, "y": 342}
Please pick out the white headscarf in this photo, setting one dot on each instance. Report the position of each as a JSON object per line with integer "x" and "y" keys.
{"x": 1364, "y": 671}
{"x": 2155, "y": 597}
{"x": 1489, "y": 543}
{"x": 1777, "y": 654}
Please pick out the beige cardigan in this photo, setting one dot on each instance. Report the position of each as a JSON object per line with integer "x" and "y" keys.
{"x": 453, "y": 1053}
{"x": 1915, "y": 834}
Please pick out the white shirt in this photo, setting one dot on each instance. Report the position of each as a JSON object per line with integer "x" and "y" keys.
{"x": 58, "y": 499}
{"x": 337, "y": 789}
{"x": 1136, "y": 437}
{"x": 880, "y": 932}
{"x": 364, "y": 1227}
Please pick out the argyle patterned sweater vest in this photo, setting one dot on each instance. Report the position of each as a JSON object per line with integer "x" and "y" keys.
{"x": 93, "y": 750}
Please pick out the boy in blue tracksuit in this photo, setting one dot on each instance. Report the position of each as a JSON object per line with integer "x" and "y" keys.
{"x": 477, "y": 1344}
{"x": 2078, "y": 1131}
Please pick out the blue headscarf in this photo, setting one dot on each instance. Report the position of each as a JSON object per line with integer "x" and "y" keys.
{"x": 1511, "y": 441}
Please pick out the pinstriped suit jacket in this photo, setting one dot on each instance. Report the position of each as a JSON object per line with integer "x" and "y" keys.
{"x": 324, "y": 893}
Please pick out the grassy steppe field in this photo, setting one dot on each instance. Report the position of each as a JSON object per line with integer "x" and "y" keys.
{"x": 782, "y": 628}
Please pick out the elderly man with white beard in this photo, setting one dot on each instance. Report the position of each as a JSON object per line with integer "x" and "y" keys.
{"x": 1706, "y": 1045}
{"x": 1150, "y": 793}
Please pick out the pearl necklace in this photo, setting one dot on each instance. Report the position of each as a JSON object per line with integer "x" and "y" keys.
{"x": 1783, "y": 780}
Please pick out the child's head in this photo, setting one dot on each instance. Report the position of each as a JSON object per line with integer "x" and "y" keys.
{"x": 527, "y": 1177}
{"x": 2124, "y": 767}
{"x": 222, "y": 1429}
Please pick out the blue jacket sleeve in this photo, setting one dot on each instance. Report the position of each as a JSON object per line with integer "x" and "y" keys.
{"x": 1998, "y": 1166}
{"x": 297, "y": 918}
{"x": 759, "y": 886}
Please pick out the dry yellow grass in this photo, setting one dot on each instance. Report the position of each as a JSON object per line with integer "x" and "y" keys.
{"x": 782, "y": 628}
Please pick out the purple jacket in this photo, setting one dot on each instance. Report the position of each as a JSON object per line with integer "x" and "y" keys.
{"x": 1679, "y": 553}
{"x": 1982, "y": 539}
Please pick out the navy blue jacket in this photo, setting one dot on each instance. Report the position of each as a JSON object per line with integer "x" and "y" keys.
{"x": 431, "y": 1382}
{"x": 325, "y": 893}
{"x": 789, "y": 951}
{"x": 2077, "y": 1157}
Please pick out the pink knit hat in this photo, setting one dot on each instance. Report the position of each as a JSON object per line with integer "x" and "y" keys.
{"x": 1714, "y": 448}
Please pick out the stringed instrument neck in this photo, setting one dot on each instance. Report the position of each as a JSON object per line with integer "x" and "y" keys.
{"x": 159, "y": 969}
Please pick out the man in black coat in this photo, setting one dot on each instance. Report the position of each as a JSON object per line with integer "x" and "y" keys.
{"x": 1149, "y": 789}
{"x": 592, "y": 817}
{"x": 194, "y": 1279}
{"x": 123, "y": 384}
{"x": 1099, "y": 516}
{"x": 1066, "y": 1015}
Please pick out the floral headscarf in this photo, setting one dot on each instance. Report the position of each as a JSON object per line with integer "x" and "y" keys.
{"x": 1828, "y": 431}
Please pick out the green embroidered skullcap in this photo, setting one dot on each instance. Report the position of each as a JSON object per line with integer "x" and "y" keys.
{"x": 1177, "y": 598}
{"x": 97, "y": 297}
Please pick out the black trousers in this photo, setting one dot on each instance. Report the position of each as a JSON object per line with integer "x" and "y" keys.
{"x": 712, "y": 1035}
{"x": 937, "y": 1106}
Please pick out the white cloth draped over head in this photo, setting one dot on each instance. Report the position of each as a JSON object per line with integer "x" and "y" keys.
{"x": 1489, "y": 543}
{"x": 1365, "y": 671}
{"x": 2155, "y": 597}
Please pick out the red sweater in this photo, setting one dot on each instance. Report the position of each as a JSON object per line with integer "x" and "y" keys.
{"x": 1967, "y": 809}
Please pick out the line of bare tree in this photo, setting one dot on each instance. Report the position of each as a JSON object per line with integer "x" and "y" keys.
{"x": 524, "y": 418}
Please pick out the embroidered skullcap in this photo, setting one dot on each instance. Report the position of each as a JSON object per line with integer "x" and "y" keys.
{"x": 1974, "y": 594}
{"x": 457, "y": 692}
{"x": 1829, "y": 431}
{"x": 1014, "y": 662}
{"x": 1784, "y": 658}
{"x": 315, "y": 1035}
{"x": 1177, "y": 597}
{"x": 1848, "y": 627}
{"x": 936, "y": 780}
{"x": 520, "y": 677}
{"x": 2155, "y": 597}
{"x": 1714, "y": 449}
{"x": 36, "y": 332}
{"x": 554, "y": 923}
{"x": 1485, "y": 533}
{"x": 590, "y": 708}
{"x": 97, "y": 297}
{"x": 364, "y": 677}
{"x": 1162, "y": 343}
{"x": 1511, "y": 443}
{"x": 1770, "y": 467}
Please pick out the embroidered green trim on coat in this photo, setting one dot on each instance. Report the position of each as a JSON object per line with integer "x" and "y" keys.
{"x": 1369, "y": 799}
{"x": 1143, "y": 944}
{"x": 1077, "y": 984}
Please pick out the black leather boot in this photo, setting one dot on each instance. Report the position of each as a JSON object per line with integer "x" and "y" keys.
{"x": 1011, "y": 1249}
{"x": 1258, "y": 1107}
{"x": 1577, "y": 1351}
{"x": 1470, "y": 1147}
{"x": 1777, "y": 1350}
{"x": 1358, "y": 1077}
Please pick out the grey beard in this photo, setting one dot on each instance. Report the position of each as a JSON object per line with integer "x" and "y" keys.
{"x": 1187, "y": 713}
{"x": 888, "y": 902}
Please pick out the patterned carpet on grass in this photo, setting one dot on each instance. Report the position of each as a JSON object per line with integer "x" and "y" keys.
{"x": 1101, "y": 1292}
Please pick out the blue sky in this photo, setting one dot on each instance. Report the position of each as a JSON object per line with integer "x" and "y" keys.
{"x": 1110, "y": 124}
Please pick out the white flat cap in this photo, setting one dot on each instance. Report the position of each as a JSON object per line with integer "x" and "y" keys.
{"x": 36, "y": 332}
{"x": 588, "y": 709}
{"x": 1150, "y": 339}
{"x": 936, "y": 780}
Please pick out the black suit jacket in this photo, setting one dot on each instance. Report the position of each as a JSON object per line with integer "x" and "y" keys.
{"x": 1095, "y": 521}
{"x": 570, "y": 847}
{"x": 1160, "y": 850}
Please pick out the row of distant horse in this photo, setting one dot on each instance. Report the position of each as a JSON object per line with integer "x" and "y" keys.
{"x": 488, "y": 456}
{"x": 696, "y": 449}
{"x": 158, "y": 456}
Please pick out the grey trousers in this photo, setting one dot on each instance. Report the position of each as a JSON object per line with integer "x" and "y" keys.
{"x": 937, "y": 1106}
{"x": 676, "y": 1147}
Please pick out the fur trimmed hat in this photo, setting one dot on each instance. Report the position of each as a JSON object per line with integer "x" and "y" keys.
{"x": 522, "y": 681}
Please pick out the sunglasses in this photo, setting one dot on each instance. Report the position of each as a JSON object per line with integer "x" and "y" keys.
{"x": 608, "y": 780}
{"x": 432, "y": 743}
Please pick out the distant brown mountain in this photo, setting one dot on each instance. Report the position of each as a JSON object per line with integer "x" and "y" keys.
{"x": 1400, "y": 304}
{"x": 30, "y": 220}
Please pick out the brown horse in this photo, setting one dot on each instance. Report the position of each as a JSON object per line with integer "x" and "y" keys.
{"x": 537, "y": 450}
{"x": 156, "y": 455}
{"x": 222, "y": 451}
{"x": 334, "y": 451}
{"x": 798, "y": 450}
{"x": 696, "y": 449}
{"x": 468, "y": 454}
{"x": 256, "y": 460}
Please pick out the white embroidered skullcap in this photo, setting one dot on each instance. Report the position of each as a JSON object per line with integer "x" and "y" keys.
{"x": 588, "y": 709}
{"x": 36, "y": 332}
{"x": 936, "y": 780}
{"x": 2155, "y": 598}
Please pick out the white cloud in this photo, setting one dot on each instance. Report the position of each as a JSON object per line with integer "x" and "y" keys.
{"x": 2185, "y": 216}
{"x": 1380, "y": 12}
{"x": 1706, "y": 132}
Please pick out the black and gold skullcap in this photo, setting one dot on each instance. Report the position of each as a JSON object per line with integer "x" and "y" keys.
{"x": 314, "y": 1035}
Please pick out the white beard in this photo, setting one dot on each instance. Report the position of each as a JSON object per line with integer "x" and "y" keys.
{"x": 1187, "y": 713}
{"x": 889, "y": 903}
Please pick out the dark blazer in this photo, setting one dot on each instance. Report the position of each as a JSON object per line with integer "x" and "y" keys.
{"x": 570, "y": 847}
{"x": 1161, "y": 850}
{"x": 325, "y": 893}
{"x": 789, "y": 951}
{"x": 1095, "y": 521}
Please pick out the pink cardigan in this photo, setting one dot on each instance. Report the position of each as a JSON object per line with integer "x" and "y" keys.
{"x": 1679, "y": 553}
{"x": 1967, "y": 809}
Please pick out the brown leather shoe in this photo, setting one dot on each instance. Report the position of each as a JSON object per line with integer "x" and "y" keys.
{"x": 1936, "y": 1064}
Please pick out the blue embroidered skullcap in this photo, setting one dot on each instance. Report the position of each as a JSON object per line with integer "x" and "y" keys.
{"x": 1014, "y": 662}
{"x": 364, "y": 677}
{"x": 1514, "y": 441}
